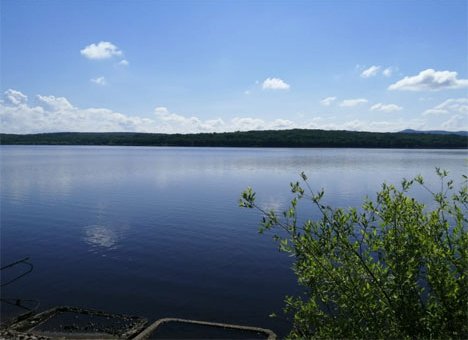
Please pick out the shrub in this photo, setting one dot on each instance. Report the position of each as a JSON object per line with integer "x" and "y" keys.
{"x": 394, "y": 268}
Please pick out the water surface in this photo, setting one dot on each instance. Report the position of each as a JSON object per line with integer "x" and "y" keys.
{"x": 157, "y": 232}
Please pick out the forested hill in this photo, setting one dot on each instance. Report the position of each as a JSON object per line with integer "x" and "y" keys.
{"x": 281, "y": 138}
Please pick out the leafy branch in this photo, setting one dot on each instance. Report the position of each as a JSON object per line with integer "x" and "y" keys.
{"x": 392, "y": 268}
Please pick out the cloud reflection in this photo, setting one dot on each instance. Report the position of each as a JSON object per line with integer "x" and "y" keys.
{"x": 273, "y": 203}
{"x": 100, "y": 236}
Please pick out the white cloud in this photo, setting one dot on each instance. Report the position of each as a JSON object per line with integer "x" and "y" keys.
{"x": 275, "y": 84}
{"x": 247, "y": 123}
{"x": 327, "y": 101}
{"x": 15, "y": 97}
{"x": 449, "y": 106}
{"x": 365, "y": 125}
{"x": 187, "y": 123}
{"x": 123, "y": 62}
{"x": 430, "y": 80}
{"x": 374, "y": 70}
{"x": 173, "y": 122}
{"x": 101, "y": 50}
{"x": 456, "y": 123}
{"x": 385, "y": 107}
{"x": 56, "y": 103}
{"x": 280, "y": 124}
{"x": 99, "y": 81}
{"x": 388, "y": 72}
{"x": 370, "y": 72}
{"x": 54, "y": 114}
{"x": 457, "y": 111}
{"x": 353, "y": 102}
{"x": 161, "y": 110}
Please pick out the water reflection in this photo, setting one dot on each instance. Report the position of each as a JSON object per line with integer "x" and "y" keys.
{"x": 27, "y": 169}
{"x": 273, "y": 203}
{"x": 100, "y": 236}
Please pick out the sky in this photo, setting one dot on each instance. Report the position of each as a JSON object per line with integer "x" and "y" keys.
{"x": 219, "y": 65}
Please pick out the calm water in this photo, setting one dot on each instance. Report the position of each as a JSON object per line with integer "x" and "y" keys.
{"x": 157, "y": 232}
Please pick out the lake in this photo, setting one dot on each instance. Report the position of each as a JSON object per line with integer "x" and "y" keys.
{"x": 157, "y": 232}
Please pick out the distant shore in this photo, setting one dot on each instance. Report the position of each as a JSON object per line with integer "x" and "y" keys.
{"x": 295, "y": 138}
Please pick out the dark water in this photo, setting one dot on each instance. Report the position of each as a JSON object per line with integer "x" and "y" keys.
{"x": 157, "y": 232}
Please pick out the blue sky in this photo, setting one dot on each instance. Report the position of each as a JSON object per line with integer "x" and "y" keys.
{"x": 196, "y": 66}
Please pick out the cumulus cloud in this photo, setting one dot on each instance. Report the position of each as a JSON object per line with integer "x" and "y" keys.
{"x": 353, "y": 102}
{"x": 123, "y": 62}
{"x": 184, "y": 124}
{"x": 179, "y": 123}
{"x": 53, "y": 103}
{"x": 327, "y": 101}
{"x": 275, "y": 84}
{"x": 99, "y": 81}
{"x": 55, "y": 114}
{"x": 15, "y": 97}
{"x": 430, "y": 80}
{"x": 385, "y": 107}
{"x": 101, "y": 50}
{"x": 449, "y": 106}
{"x": 370, "y": 72}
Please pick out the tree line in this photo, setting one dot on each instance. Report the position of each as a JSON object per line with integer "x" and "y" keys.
{"x": 269, "y": 138}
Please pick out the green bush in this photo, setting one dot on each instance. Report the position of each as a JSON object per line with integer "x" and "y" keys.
{"x": 394, "y": 268}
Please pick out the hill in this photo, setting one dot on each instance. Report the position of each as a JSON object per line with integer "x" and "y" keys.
{"x": 437, "y": 132}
